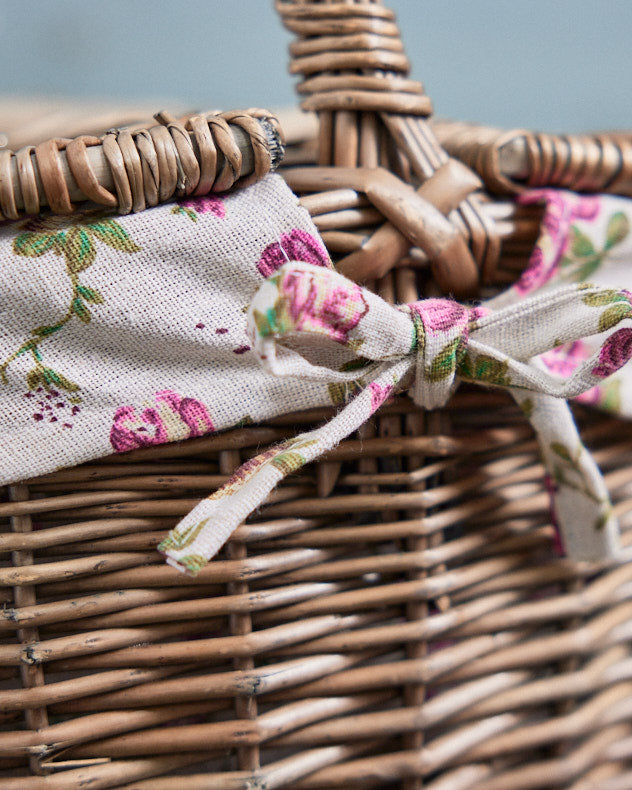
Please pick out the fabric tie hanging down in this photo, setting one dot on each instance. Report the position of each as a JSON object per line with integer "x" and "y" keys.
{"x": 309, "y": 322}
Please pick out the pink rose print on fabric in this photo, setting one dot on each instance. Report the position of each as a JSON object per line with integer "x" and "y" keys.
{"x": 205, "y": 204}
{"x": 129, "y": 431}
{"x": 615, "y": 352}
{"x": 439, "y": 315}
{"x": 379, "y": 393}
{"x": 537, "y": 272}
{"x": 562, "y": 208}
{"x": 476, "y": 313}
{"x": 171, "y": 418}
{"x": 297, "y": 245}
{"x": 564, "y": 360}
{"x": 592, "y": 397}
{"x": 314, "y": 305}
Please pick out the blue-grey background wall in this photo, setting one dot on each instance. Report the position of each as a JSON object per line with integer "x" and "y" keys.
{"x": 555, "y": 65}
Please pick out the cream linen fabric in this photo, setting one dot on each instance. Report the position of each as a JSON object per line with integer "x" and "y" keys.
{"x": 129, "y": 331}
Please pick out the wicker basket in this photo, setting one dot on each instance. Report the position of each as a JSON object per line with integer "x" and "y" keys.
{"x": 395, "y": 615}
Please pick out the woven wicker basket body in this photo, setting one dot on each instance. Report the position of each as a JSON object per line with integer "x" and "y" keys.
{"x": 396, "y": 614}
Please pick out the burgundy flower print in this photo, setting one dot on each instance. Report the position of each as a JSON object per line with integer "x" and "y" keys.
{"x": 52, "y": 406}
{"x": 615, "y": 352}
{"x": 171, "y": 418}
{"x": 297, "y": 245}
{"x": 247, "y": 469}
{"x": 129, "y": 432}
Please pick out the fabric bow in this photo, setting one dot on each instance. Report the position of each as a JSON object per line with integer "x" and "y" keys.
{"x": 310, "y": 322}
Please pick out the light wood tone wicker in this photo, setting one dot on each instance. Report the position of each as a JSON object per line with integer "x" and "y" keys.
{"x": 131, "y": 169}
{"x": 395, "y": 616}
{"x": 510, "y": 161}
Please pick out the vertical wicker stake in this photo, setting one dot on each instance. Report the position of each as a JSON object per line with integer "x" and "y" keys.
{"x": 371, "y": 115}
{"x": 241, "y": 624}
{"x": 32, "y": 673}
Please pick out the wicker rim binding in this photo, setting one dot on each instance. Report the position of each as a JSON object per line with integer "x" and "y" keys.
{"x": 510, "y": 161}
{"x": 131, "y": 170}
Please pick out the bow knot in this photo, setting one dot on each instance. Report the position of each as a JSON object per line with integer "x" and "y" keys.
{"x": 310, "y": 322}
{"x": 442, "y": 330}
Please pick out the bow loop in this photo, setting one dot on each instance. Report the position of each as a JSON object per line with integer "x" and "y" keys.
{"x": 311, "y": 322}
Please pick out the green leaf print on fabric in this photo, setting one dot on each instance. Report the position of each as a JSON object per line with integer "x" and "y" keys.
{"x": 444, "y": 364}
{"x": 342, "y": 392}
{"x": 418, "y": 343}
{"x": 620, "y": 307}
{"x": 563, "y": 451}
{"x": 275, "y": 321}
{"x": 581, "y": 245}
{"x": 78, "y": 249}
{"x": 613, "y": 315}
{"x": 581, "y": 260}
{"x": 527, "y": 407}
{"x": 609, "y": 394}
{"x": 486, "y": 369}
{"x": 89, "y": 294}
{"x": 618, "y": 229}
{"x": 114, "y": 235}
{"x": 193, "y": 562}
{"x": 289, "y": 462}
{"x": 604, "y": 298}
{"x": 569, "y": 472}
{"x": 74, "y": 239}
{"x": 180, "y": 540}
{"x": 187, "y": 212}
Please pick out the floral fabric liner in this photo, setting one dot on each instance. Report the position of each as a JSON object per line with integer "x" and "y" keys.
{"x": 223, "y": 310}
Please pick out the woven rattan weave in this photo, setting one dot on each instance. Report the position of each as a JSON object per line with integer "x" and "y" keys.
{"x": 396, "y": 614}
